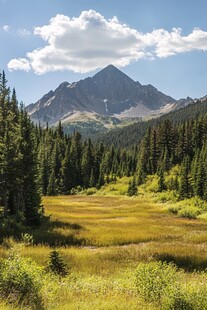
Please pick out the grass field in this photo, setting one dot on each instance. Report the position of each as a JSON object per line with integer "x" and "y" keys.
{"x": 103, "y": 238}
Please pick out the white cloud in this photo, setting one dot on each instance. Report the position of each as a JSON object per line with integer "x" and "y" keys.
{"x": 171, "y": 43}
{"x": 23, "y": 32}
{"x": 19, "y": 64}
{"x": 90, "y": 41}
{"x": 6, "y": 28}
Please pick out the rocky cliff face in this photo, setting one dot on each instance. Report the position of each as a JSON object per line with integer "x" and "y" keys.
{"x": 109, "y": 92}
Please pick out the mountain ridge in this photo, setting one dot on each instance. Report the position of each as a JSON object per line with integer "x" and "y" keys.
{"x": 110, "y": 93}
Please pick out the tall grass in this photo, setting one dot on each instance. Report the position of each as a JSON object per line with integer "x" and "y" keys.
{"x": 103, "y": 238}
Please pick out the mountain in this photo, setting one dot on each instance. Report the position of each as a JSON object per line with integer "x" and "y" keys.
{"x": 108, "y": 94}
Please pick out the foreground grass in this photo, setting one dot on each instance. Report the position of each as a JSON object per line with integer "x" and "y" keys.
{"x": 103, "y": 238}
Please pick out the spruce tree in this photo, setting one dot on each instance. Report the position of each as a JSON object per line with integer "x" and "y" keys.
{"x": 56, "y": 264}
{"x": 185, "y": 186}
{"x": 18, "y": 160}
{"x": 87, "y": 163}
{"x": 31, "y": 200}
{"x": 132, "y": 188}
{"x": 66, "y": 173}
{"x": 161, "y": 181}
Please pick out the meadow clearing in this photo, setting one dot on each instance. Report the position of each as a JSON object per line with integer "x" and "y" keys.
{"x": 103, "y": 238}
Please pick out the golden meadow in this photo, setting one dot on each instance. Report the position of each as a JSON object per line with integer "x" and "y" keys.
{"x": 102, "y": 238}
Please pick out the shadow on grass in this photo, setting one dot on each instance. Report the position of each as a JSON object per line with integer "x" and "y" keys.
{"x": 188, "y": 263}
{"x": 52, "y": 233}
{"x": 47, "y": 234}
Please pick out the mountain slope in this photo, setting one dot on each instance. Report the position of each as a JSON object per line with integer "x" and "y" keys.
{"x": 131, "y": 135}
{"x": 110, "y": 92}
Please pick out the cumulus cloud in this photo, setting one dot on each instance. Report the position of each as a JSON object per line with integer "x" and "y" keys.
{"x": 19, "y": 64}
{"x": 90, "y": 41}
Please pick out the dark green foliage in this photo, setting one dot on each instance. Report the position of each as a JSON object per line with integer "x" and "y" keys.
{"x": 66, "y": 163}
{"x": 132, "y": 188}
{"x": 167, "y": 145}
{"x": 161, "y": 181}
{"x": 56, "y": 264}
{"x": 185, "y": 186}
{"x": 19, "y": 192}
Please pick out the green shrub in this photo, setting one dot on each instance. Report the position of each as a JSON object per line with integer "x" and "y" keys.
{"x": 21, "y": 280}
{"x": 189, "y": 212}
{"x": 27, "y": 239}
{"x": 176, "y": 300}
{"x": 151, "y": 184}
{"x": 91, "y": 191}
{"x": 196, "y": 293}
{"x": 76, "y": 190}
{"x": 175, "y": 209}
{"x": 155, "y": 279}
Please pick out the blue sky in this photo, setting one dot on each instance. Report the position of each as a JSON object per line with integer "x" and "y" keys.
{"x": 163, "y": 43}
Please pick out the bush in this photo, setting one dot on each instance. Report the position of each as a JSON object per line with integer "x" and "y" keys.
{"x": 91, "y": 191}
{"x": 176, "y": 300}
{"x": 167, "y": 196}
{"x": 155, "y": 279}
{"x": 189, "y": 212}
{"x": 20, "y": 280}
{"x": 175, "y": 209}
{"x": 76, "y": 190}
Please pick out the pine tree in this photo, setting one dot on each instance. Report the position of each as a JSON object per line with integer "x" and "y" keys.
{"x": 76, "y": 158}
{"x": 185, "y": 186}
{"x": 56, "y": 264}
{"x": 66, "y": 173}
{"x": 132, "y": 188}
{"x": 31, "y": 200}
{"x": 87, "y": 163}
{"x": 161, "y": 181}
{"x": 18, "y": 160}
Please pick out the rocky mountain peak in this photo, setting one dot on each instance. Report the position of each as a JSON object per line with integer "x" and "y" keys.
{"x": 111, "y": 73}
{"x": 109, "y": 92}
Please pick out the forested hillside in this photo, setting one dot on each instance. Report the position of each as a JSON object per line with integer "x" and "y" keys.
{"x": 67, "y": 162}
{"x": 167, "y": 145}
{"x": 131, "y": 135}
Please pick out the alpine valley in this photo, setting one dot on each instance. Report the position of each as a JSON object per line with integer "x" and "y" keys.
{"x": 107, "y": 100}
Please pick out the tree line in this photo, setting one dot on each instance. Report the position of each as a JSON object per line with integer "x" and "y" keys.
{"x": 185, "y": 145}
{"x": 67, "y": 162}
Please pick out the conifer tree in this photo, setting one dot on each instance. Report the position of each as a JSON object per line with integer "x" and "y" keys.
{"x": 132, "y": 188}
{"x": 161, "y": 181}
{"x": 31, "y": 200}
{"x": 66, "y": 173}
{"x": 185, "y": 186}
{"x": 87, "y": 163}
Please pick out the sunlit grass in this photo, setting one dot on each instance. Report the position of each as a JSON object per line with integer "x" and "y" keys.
{"x": 101, "y": 234}
{"x": 103, "y": 238}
